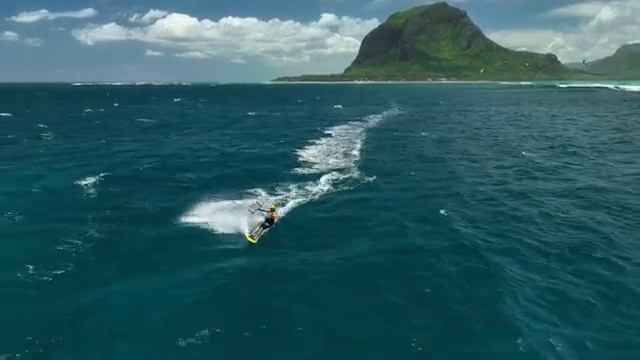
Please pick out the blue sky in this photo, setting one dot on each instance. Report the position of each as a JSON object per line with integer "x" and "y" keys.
{"x": 241, "y": 40}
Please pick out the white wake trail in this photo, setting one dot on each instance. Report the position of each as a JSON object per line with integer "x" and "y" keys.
{"x": 334, "y": 157}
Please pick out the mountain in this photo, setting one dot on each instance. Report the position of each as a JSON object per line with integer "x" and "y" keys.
{"x": 623, "y": 64}
{"x": 440, "y": 41}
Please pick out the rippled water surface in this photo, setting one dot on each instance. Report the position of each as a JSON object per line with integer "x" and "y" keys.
{"x": 419, "y": 221}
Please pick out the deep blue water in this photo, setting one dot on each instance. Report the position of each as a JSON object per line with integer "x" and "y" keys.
{"x": 421, "y": 222}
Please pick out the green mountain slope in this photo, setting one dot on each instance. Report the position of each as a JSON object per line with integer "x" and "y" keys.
{"x": 623, "y": 64}
{"x": 436, "y": 41}
{"x": 440, "y": 41}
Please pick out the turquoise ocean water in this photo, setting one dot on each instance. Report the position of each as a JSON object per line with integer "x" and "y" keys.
{"x": 420, "y": 222}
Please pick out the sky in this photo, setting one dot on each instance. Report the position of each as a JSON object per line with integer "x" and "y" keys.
{"x": 249, "y": 40}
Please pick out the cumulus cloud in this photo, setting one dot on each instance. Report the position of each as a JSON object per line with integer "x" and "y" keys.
{"x": 149, "y": 17}
{"x": 192, "y": 55}
{"x": 150, "y": 52}
{"x": 35, "y": 42}
{"x": 10, "y": 36}
{"x": 237, "y": 38}
{"x": 44, "y": 14}
{"x": 602, "y": 27}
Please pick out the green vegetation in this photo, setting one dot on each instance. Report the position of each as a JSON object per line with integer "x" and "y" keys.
{"x": 441, "y": 42}
{"x": 624, "y": 64}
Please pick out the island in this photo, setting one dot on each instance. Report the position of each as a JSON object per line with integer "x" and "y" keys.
{"x": 440, "y": 42}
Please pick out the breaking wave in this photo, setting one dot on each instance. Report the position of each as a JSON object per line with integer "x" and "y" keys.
{"x": 616, "y": 87}
{"x": 334, "y": 157}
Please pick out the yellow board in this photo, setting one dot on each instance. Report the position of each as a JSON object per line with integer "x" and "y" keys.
{"x": 250, "y": 238}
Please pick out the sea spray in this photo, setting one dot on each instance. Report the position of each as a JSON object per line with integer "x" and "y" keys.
{"x": 224, "y": 216}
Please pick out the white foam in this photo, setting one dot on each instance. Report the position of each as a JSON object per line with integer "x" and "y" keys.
{"x": 335, "y": 157}
{"x": 631, "y": 88}
{"x": 252, "y": 113}
{"x": 517, "y": 83}
{"x": 222, "y": 216}
{"x": 585, "y": 85}
{"x": 200, "y": 337}
{"x": 177, "y": 100}
{"x": 6, "y": 114}
{"x": 145, "y": 120}
{"x": 339, "y": 149}
{"x": 337, "y": 106}
{"x": 616, "y": 87}
{"x": 47, "y": 135}
{"x": 87, "y": 110}
{"x": 444, "y": 212}
{"x": 42, "y": 126}
{"x": 89, "y": 183}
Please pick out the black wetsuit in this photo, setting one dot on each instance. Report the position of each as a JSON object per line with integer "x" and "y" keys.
{"x": 268, "y": 221}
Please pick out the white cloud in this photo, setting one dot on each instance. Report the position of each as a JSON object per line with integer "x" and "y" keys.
{"x": 601, "y": 30}
{"x": 150, "y": 52}
{"x": 9, "y": 36}
{"x": 14, "y": 37}
{"x": 93, "y": 34}
{"x": 44, "y": 14}
{"x": 238, "y": 39}
{"x": 149, "y": 17}
{"x": 578, "y": 10}
{"x": 192, "y": 55}
{"x": 35, "y": 42}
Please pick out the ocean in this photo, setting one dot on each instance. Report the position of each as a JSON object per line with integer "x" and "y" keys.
{"x": 418, "y": 221}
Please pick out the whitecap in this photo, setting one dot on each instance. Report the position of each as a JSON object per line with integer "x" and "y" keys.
{"x": 47, "y": 135}
{"x": 6, "y": 114}
{"x": 177, "y": 100}
{"x": 89, "y": 183}
{"x": 116, "y": 104}
{"x": 42, "y": 126}
{"x": 87, "y": 110}
{"x": 13, "y": 216}
{"x": 337, "y": 106}
{"x": 143, "y": 120}
{"x": 199, "y": 337}
{"x": 444, "y": 212}
{"x": 252, "y": 113}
